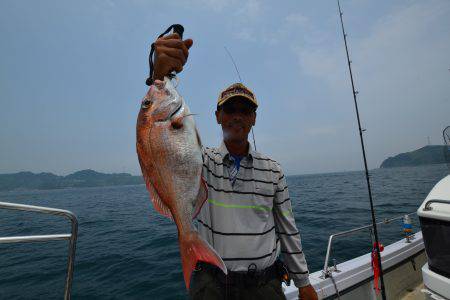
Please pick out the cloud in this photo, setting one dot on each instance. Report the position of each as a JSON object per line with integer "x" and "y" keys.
{"x": 215, "y": 5}
{"x": 249, "y": 9}
{"x": 403, "y": 38}
{"x": 400, "y": 68}
{"x": 245, "y": 34}
{"x": 253, "y": 25}
{"x": 246, "y": 19}
{"x": 296, "y": 19}
{"x": 244, "y": 9}
{"x": 318, "y": 62}
{"x": 320, "y": 131}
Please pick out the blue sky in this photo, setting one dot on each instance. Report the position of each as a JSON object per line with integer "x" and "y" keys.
{"x": 72, "y": 76}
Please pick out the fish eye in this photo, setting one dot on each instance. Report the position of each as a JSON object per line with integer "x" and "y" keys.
{"x": 146, "y": 103}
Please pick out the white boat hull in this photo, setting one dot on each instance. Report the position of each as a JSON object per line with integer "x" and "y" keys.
{"x": 436, "y": 283}
{"x": 401, "y": 262}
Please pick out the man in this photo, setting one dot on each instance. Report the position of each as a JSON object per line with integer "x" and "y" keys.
{"x": 248, "y": 217}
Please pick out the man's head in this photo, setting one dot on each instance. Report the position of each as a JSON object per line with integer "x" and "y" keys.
{"x": 236, "y": 112}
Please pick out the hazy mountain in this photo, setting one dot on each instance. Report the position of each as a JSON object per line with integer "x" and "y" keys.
{"x": 84, "y": 178}
{"x": 424, "y": 156}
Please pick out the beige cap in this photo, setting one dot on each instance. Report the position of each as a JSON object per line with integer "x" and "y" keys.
{"x": 237, "y": 90}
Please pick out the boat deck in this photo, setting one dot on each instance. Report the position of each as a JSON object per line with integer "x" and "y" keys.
{"x": 415, "y": 294}
{"x": 402, "y": 262}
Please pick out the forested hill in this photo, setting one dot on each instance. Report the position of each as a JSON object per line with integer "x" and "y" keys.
{"x": 432, "y": 154}
{"x": 84, "y": 178}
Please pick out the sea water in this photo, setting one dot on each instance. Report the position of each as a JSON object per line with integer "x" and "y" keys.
{"x": 125, "y": 250}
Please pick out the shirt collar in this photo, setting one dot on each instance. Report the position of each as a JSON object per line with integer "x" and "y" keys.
{"x": 224, "y": 153}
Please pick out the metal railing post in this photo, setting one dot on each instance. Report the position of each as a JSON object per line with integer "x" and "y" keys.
{"x": 429, "y": 202}
{"x": 325, "y": 270}
{"x": 72, "y": 237}
{"x": 71, "y": 256}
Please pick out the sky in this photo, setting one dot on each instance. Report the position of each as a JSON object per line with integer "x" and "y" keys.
{"x": 72, "y": 75}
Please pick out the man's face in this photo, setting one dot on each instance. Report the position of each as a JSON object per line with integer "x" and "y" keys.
{"x": 237, "y": 116}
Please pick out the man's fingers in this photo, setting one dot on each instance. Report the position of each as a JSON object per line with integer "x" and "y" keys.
{"x": 171, "y": 54}
{"x": 188, "y": 43}
{"x": 173, "y": 44}
{"x": 170, "y": 36}
{"x": 175, "y": 65}
{"x": 174, "y": 53}
{"x": 178, "y": 68}
{"x": 170, "y": 64}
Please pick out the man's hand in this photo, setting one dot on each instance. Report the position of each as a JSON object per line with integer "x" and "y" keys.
{"x": 171, "y": 54}
{"x": 307, "y": 293}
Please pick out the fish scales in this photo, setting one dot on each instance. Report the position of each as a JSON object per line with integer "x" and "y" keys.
{"x": 169, "y": 151}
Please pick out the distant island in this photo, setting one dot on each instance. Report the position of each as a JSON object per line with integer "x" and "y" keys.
{"x": 46, "y": 181}
{"x": 428, "y": 155}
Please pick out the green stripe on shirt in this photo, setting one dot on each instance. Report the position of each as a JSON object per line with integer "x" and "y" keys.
{"x": 221, "y": 204}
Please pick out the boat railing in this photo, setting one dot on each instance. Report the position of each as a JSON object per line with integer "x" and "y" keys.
{"x": 71, "y": 237}
{"x": 326, "y": 272}
{"x": 429, "y": 202}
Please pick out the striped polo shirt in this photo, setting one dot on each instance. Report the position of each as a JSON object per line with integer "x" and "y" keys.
{"x": 250, "y": 221}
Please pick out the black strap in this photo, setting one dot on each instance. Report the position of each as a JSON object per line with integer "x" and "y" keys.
{"x": 177, "y": 28}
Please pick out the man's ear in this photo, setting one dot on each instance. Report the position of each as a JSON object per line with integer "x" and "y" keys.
{"x": 254, "y": 119}
{"x": 218, "y": 117}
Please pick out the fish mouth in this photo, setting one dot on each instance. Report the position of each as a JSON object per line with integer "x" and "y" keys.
{"x": 172, "y": 114}
{"x": 175, "y": 111}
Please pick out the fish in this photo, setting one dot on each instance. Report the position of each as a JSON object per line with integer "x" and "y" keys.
{"x": 168, "y": 147}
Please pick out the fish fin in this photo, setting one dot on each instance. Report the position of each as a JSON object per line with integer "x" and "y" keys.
{"x": 158, "y": 204}
{"x": 201, "y": 197}
{"x": 194, "y": 249}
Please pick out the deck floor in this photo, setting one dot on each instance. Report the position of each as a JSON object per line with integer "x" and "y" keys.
{"x": 415, "y": 294}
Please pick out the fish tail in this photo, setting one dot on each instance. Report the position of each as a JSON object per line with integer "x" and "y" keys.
{"x": 194, "y": 249}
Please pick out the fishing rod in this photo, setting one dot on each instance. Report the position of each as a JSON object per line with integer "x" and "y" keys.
{"x": 355, "y": 92}
{"x": 240, "y": 80}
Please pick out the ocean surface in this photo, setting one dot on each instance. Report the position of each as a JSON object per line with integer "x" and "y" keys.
{"x": 126, "y": 250}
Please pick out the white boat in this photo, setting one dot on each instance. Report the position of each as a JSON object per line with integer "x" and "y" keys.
{"x": 414, "y": 268}
{"x": 407, "y": 273}
{"x": 353, "y": 279}
{"x": 434, "y": 216}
